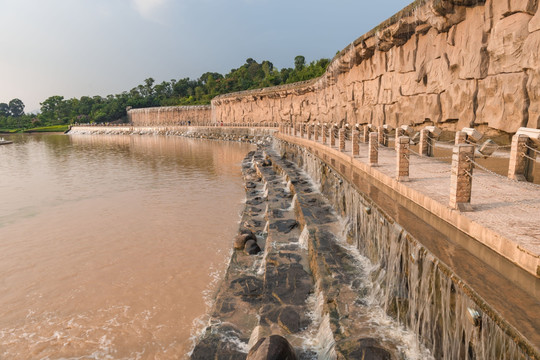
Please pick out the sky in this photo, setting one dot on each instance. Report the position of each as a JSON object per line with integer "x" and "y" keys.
{"x": 75, "y": 48}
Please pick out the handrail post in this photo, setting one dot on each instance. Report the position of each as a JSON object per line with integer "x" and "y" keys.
{"x": 373, "y": 149}
{"x": 461, "y": 138}
{"x": 425, "y": 148}
{"x": 380, "y": 132}
{"x": 355, "y": 142}
{"x": 399, "y": 133}
{"x": 342, "y": 139}
{"x": 402, "y": 158}
{"x": 518, "y": 166}
{"x": 461, "y": 178}
{"x": 365, "y": 135}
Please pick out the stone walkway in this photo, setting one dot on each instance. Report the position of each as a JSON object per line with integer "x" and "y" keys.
{"x": 507, "y": 207}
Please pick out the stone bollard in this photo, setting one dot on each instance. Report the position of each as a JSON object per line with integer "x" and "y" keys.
{"x": 461, "y": 138}
{"x": 332, "y": 135}
{"x": 365, "y": 136}
{"x": 342, "y": 139}
{"x": 380, "y": 135}
{"x": 309, "y": 128}
{"x": 316, "y": 132}
{"x": 425, "y": 146}
{"x": 324, "y": 134}
{"x": 518, "y": 168}
{"x": 373, "y": 149}
{"x": 461, "y": 178}
{"x": 355, "y": 142}
{"x": 399, "y": 133}
{"x": 402, "y": 158}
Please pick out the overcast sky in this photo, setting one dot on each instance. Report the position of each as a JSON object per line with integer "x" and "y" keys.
{"x": 99, "y": 47}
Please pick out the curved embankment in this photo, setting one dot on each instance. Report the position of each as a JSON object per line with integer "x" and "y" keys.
{"x": 451, "y": 63}
{"x": 340, "y": 286}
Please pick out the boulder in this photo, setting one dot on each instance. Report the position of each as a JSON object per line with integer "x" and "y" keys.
{"x": 365, "y": 349}
{"x": 241, "y": 239}
{"x": 274, "y": 347}
{"x": 251, "y": 247}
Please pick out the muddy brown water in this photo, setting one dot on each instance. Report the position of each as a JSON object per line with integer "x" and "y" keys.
{"x": 110, "y": 246}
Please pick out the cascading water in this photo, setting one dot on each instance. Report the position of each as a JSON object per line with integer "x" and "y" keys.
{"x": 405, "y": 280}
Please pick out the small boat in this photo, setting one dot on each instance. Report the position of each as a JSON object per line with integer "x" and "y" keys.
{"x": 5, "y": 142}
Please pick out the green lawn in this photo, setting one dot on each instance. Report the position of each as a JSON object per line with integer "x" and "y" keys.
{"x": 54, "y": 128}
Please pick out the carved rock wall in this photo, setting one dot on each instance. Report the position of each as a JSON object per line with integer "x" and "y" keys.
{"x": 453, "y": 63}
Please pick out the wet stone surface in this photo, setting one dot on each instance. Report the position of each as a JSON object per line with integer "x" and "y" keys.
{"x": 284, "y": 226}
{"x": 270, "y": 279}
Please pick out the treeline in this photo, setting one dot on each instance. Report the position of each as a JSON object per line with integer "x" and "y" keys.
{"x": 56, "y": 110}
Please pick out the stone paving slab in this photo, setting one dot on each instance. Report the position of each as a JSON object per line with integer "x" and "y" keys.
{"x": 506, "y": 213}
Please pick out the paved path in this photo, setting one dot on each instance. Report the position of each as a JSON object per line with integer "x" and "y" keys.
{"x": 507, "y": 207}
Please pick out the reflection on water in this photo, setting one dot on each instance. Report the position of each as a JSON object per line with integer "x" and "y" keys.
{"x": 108, "y": 243}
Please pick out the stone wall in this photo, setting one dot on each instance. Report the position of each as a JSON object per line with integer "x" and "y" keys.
{"x": 169, "y": 115}
{"x": 453, "y": 63}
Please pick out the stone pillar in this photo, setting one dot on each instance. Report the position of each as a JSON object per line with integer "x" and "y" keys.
{"x": 355, "y": 143}
{"x": 316, "y": 132}
{"x": 424, "y": 145}
{"x": 461, "y": 138}
{"x": 461, "y": 178}
{"x": 342, "y": 139}
{"x": 301, "y": 130}
{"x": 399, "y": 132}
{"x": 332, "y": 135}
{"x": 517, "y": 168}
{"x": 373, "y": 149}
{"x": 324, "y": 134}
{"x": 402, "y": 166}
{"x": 365, "y": 136}
{"x": 295, "y": 129}
{"x": 380, "y": 133}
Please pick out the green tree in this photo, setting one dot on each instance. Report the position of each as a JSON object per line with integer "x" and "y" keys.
{"x": 299, "y": 62}
{"x": 16, "y": 107}
{"x": 4, "y": 110}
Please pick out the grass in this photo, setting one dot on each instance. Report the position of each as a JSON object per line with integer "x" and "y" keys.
{"x": 8, "y": 131}
{"x": 53, "y": 128}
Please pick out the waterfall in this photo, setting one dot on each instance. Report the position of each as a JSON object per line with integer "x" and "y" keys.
{"x": 405, "y": 281}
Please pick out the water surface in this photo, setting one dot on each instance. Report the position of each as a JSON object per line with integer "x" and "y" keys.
{"x": 108, "y": 243}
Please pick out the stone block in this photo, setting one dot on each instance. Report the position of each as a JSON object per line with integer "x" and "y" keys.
{"x": 502, "y": 102}
{"x": 401, "y": 59}
{"x": 505, "y": 46}
{"x": 468, "y": 57}
{"x": 457, "y": 103}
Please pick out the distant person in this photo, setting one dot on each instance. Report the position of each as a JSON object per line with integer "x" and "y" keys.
{"x": 189, "y": 122}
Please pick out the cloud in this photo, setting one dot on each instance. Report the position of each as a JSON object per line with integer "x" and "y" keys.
{"x": 148, "y": 8}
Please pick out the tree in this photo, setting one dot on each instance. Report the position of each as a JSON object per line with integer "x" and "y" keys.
{"x": 299, "y": 62}
{"x": 16, "y": 107}
{"x": 4, "y": 110}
